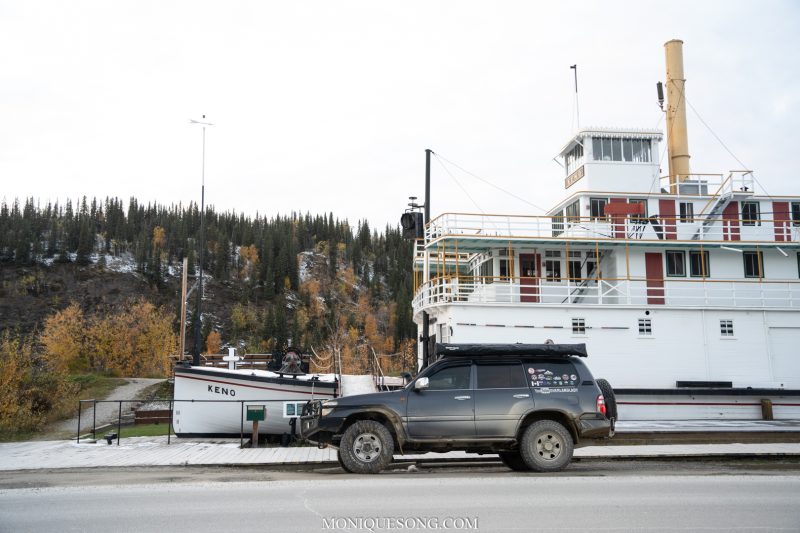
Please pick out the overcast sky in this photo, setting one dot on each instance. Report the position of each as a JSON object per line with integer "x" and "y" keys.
{"x": 329, "y": 106}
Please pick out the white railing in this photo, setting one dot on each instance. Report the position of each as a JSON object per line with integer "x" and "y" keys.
{"x": 610, "y": 227}
{"x": 733, "y": 293}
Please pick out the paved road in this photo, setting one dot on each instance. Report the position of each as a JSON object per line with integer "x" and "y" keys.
{"x": 501, "y": 501}
{"x": 130, "y": 389}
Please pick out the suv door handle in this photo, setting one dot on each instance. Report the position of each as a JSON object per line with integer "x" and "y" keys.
{"x": 522, "y": 396}
{"x": 462, "y": 397}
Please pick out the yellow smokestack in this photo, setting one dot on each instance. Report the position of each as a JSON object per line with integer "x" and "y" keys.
{"x": 677, "y": 137}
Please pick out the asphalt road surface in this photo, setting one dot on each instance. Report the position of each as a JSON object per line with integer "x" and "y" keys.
{"x": 602, "y": 496}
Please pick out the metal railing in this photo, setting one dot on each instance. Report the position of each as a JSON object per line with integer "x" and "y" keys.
{"x": 696, "y": 292}
{"x": 610, "y": 227}
{"x": 172, "y": 404}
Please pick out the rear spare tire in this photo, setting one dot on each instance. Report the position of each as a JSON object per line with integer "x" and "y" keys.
{"x": 610, "y": 398}
{"x": 366, "y": 447}
{"x": 546, "y": 446}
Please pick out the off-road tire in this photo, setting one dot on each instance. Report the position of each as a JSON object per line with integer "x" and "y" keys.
{"x": 513, "y": 460}
{"x": 610, "y": 398}
{"x": 366, "y": 447}
{"x": 546, "y": 446}
{"x": 341, "y": 463}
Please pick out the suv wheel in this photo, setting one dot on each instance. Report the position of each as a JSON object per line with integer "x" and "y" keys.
{"x": 341, "y": 463}
{"x": 513, "y": 460}
{"x": 366, "y": 447}
{"x": 546, "y": 446}
{"x": 608, "y": 396}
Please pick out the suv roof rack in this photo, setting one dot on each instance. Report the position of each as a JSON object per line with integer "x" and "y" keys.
{"x": 545, "y": 350}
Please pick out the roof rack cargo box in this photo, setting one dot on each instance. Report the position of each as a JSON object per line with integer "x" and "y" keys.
{"x": 547, "y": 350}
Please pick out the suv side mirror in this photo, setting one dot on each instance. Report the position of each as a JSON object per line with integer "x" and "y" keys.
{"x": 421, "y": 383}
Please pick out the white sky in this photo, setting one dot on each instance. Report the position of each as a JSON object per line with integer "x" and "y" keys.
{"x": 329, "y": 106}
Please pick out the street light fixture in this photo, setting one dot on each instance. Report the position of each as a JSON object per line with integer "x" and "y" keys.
{"x": 198, "y": 325}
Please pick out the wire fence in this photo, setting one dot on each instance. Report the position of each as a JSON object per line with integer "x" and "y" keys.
{"x": 172, "y": 404}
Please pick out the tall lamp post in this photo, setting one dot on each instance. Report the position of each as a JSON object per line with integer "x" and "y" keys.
{"x": 198, "y": 324}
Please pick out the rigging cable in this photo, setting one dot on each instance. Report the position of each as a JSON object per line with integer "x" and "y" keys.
{"x": 439, "y": 156}
{"x": 459, "y": 184}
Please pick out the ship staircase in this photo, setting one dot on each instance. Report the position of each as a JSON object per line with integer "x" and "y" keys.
{"x": 577, "y": 294}
{"x": 738, "y": 185}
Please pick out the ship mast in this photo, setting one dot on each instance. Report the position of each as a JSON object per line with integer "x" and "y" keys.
{"x": 677, "y": 137}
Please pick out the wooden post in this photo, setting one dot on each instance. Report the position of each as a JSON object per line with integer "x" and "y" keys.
{"x": 183, "y": 308}
{"x": 255, "y": 434}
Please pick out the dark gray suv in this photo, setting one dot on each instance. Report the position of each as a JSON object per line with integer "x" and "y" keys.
{"x": 529, "y": 403}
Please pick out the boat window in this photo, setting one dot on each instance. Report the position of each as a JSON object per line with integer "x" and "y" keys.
{"x": 750, "y": 214}
{"x": 598, "y": 207}
{"x": 573, "y": 159}
{"x": 639, "y": 218}
{"x": 579, "y": 326}
{"x": 504, "y": 268}
{"x": 558, "y": 224}
{"x": 486, "y": 271}
{"x": 645, "y": 327}
{"x": 450, "y": 378}
{"x": 620, "y": 149}
{"x": 687, "y": 212}
{"x": 574, "y": 266}
{"x": 501, "y": 376}
{"x": 698, "y": 264}
{"x": 552, "y": 265}
{"x": 292, "y": 409}
{"x": 726, "y": 328}
{"x": 606, "y": 144}
{"x": 753, "y": 264}
{"x": 573, "y": 211}
{"x": 676, "y": 263}
{"x": 796, "y": 213}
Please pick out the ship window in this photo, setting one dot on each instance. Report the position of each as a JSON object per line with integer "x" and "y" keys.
{"x": 573, "y": 211}
{"x": 753, "y": 264}
{"x": 579, "y": 326}
{"x": 698, "y": 264}
{"x": 641, "y": 150}
{"x": 598, "y": 207}
{"x": 645, "y": 327}
{"x": 726, "y": 328}
{"x": 676, "y": 264}
{"x": 798, "y": 264}
{"x": 620, "y": 149}
{"x": 573, "y": 159}
{"x": 486, "y": 271}
{"x": 292, "y": 409}
{"x": 606, "y": 144}
{"x": 796, "y": 213}
{"x": 687, "y": 212}
{"x": 750, "y": 214}
{"x": 591, "y": 265}
{"x": 552, "y": 268}
{"x": 574, "y": 266}
{"x": 558, "y": 224}
{"x": 639, "y": 218}
{"x": 503, "y": 263}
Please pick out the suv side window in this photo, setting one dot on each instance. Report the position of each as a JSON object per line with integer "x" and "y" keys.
{"x": 552, "y": 374}
{"x": 450, "y": 378}
{"x": 501, "y": 376}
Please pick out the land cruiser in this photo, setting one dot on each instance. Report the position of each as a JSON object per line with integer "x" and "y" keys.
{"x": 529, "y": 403}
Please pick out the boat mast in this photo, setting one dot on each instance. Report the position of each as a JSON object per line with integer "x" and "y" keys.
{"x": 425, "y": 318}
{"x": 677, "y": 137}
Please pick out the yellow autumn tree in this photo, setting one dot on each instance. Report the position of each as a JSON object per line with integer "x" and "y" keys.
{"x": 213, "y": 343}
{"x": 249, "y": 258}
{"x": 63, "y": 340}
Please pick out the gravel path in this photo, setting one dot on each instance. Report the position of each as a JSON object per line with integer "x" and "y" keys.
{"x": 106, "y": 412}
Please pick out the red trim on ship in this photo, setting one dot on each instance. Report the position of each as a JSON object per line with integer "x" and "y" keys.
{"x": 254, "y": 386}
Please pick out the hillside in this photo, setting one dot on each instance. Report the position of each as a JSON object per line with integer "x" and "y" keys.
{"x": 309, "y": 281}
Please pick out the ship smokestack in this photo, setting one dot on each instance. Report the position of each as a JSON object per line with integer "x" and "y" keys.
{"x": 677, "y": 137}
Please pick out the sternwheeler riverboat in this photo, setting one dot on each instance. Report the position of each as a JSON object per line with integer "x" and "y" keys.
{"x": 685, "y": 288}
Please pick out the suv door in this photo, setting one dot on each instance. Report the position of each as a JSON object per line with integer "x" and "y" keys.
{"x": 502, "y": 398}
{"x": 446, "y": 408}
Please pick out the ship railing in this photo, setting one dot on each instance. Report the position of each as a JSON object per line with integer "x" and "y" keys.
{"x": 698, "y": 184}
{"x": 479, "y": 290}
{"x": 697, "y": 228}
{"x": 113, "y": 431}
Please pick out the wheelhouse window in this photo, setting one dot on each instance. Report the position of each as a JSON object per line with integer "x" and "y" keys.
{"x": 750, "y": 214}
{"x": 686, "y": 212}
{"x": 698, "y": 264}
{"x": 552, "y": 265}
{"x": 598, "y": 208}
{"x": 501, "y": 376}
{"x": 676, "y": 264}
{"x": 573, "y": 159}
{"x": 621, "y": 149}
{"x": 753, "y": 264}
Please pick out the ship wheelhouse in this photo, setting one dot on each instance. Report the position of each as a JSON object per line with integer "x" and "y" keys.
{"x": 634, "y": 264}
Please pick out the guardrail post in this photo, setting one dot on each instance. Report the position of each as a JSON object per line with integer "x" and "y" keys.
{"x": 79, "y": 421}
{"x": 169, "y": 426}
{"x": 119, "y": 422}
{"x": 241, "y": 419}
{"x": 94, "y": 419}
